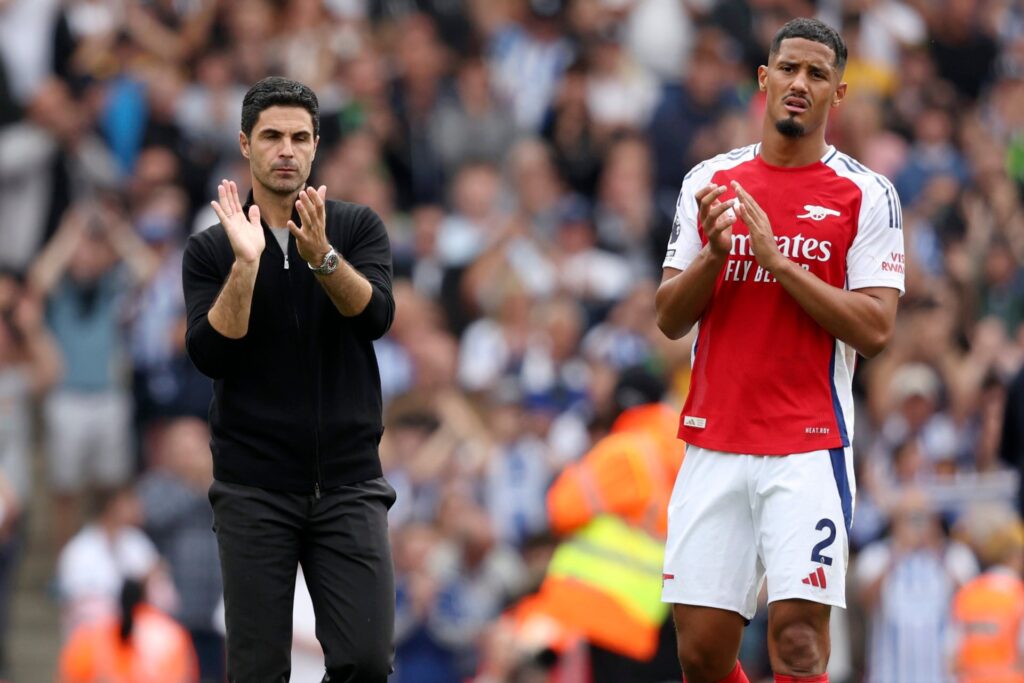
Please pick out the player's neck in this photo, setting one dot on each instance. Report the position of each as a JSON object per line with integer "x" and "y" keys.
{"x": 275, "y": 209}
{"x": 779, "y": 150}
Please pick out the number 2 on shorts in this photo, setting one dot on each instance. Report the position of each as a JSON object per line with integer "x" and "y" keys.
{"x": 816, "y": 556}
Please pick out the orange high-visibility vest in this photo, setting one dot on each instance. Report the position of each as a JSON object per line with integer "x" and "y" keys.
{"x": 604, "y": 581}
{"x": 159, "y": 651}
{"x": 988, "y": 612}
{"x": 629, "y": 473}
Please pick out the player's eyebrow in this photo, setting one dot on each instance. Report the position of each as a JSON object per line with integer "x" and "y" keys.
{"x": 811, "y": 64}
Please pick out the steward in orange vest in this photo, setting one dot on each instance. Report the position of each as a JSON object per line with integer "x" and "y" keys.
{"x": 603, "y": 583}
{"x": 142, "y": 645}
{"x": 988, "y": 612}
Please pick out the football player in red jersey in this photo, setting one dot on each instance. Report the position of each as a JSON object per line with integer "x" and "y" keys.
{"x": 788, "y": 256}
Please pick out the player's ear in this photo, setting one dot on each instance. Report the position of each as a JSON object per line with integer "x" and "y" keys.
{"x": 839, "y": 95}
{"x": 762, "y": 77}
{"x": 243, "y": 144}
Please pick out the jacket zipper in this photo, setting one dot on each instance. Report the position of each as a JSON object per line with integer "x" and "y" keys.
{"x": 316, "y": 431}
{"x": 298, "y": 335}
{"x": 316, "y": 426}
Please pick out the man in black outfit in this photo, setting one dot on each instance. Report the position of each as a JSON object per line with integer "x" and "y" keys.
{"x": 285, "y": 297}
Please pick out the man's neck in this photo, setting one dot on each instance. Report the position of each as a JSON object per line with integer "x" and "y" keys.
{"x": 779, "y": 150}
{"x": 275, "y": 209}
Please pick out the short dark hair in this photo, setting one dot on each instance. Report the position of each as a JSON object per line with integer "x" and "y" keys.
{"x": 275, "y": 91}
{"x": 817, "y": 31}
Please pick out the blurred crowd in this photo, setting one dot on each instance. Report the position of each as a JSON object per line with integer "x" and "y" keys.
{"x": 525, "y": 156}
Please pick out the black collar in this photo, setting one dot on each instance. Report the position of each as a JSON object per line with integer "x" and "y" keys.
{"x": 249, "y": 202}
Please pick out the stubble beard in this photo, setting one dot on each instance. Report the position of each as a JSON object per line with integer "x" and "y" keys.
{"x": 790, "y": 128}
{"x": 281, "y": 186}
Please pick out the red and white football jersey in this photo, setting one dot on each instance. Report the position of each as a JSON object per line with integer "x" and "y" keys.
{"x": 767, "y": 379}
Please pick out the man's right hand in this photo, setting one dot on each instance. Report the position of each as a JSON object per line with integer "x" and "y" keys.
{"x": 245, "y": 233}
{"x": 716, "y": 219}
{"x": 683, "y": 295}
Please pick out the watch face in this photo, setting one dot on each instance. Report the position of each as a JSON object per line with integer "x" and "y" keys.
{"x": 331, "y": 262}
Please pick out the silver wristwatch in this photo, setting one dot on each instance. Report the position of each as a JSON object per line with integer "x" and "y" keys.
{"x": 329, "y": 265}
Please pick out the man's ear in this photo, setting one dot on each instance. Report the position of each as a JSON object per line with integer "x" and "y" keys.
{"x": 762, "y": 78}
{"x": 840, "y": 94}
{"x": 243, "y": 144}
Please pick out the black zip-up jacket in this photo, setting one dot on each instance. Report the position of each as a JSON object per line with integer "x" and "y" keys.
{"x": 297, "y": 402}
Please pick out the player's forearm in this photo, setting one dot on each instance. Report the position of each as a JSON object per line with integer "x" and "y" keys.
{"x": 229, "y": 314}
{"x": 858, "y": 318}
{"x": 681, "y": 298}
{"x": 348, "y": 289}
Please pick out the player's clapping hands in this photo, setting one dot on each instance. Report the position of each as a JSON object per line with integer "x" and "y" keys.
{"x": 762, "y": 239}
{"x": 311, "y": 238}
{"x": 716, "y": 219}
{"x": 244, "y": 233}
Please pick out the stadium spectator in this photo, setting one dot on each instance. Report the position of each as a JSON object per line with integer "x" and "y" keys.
{"x": 621, "y": 94}
{"x": 476, "y": 576}
{"x": 96, "y": 562}
{"x": 138, "y": 645}
{"x": 165, "y": 384}
{"x": 177, "y": 517}
{"x": 30, "y": 364}
{"x": 84, "y": 273}
{"x": 906, "y": 583}
{"x": 527, "y": 60}
{"x": 470, "y": 125}
{"x": 688, "y": 112}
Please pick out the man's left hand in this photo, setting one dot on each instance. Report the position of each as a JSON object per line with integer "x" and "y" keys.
{"x": 311, "y": 238}
{"x": 762, "y": 239}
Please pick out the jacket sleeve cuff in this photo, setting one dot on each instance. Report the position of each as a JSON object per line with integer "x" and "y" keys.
{"x": 375, "y": 320}
{"x": 211, "y": 351}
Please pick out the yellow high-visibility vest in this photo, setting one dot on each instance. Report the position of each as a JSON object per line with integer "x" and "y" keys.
{"x": 620, "y": 560}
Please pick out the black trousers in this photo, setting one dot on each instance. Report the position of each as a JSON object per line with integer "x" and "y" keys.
{"x": 341, "y": 540}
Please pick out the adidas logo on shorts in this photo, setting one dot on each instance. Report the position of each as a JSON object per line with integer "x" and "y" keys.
{"x": 816, "y": 578}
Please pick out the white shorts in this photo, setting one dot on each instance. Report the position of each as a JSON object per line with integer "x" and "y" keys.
{"x": 88, "y": 439}
{"x": 735, "y": 520}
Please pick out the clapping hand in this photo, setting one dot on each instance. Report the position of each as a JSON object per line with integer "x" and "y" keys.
{"x": 311, "y": 238}
{"x": 762, "y": 238}
{"x": 716, "y": 218}
{"x": 245, "y": 234}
